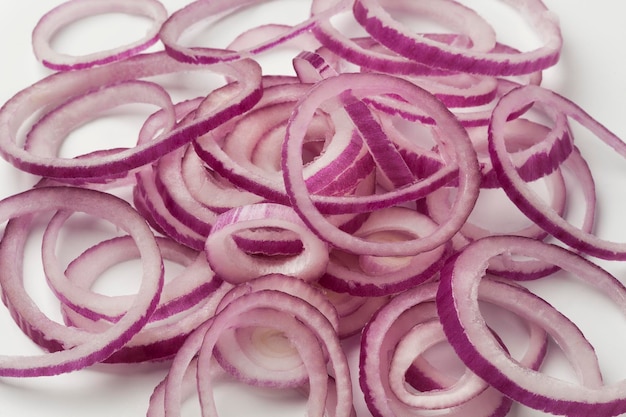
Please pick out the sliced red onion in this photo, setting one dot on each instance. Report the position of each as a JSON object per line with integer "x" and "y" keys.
{"x": 352, "y": 177}
{"x": 159, "y": 340}
{"x": 535, "y": 149}
{"x": 206, "y": 186}
{"x": 73, "y": 348}
{"x": 388, "y": 159}
{"x": 384, "y": 334}
{"x": 472, "y": 108}
{"x": 181, "y": 20}
{"x": 239, "y": 156}
{"x": 373, "y": 16}
{"x": 147, "y": 198}
{"x": 372, "y": 275}
{"x": 167, "y": 175}
{"x": 386, "y": 156}
{"x": 235, "y": 266}
{"x": 259, "y": 354}
{"x": 48, "y": 134}
{"x": 417, "y": 341}
{"x": 58, "y": 88}
{"x": 526, "y": 199}
{"x": 511, "y": 297}
{"x": 464, "y": 159}
{"x": 316, "y": 323}
{"x": 73, "y": 10}
{"x": 73, "y": 287}
{"x": 463, "y": 324}
{"x": 388, "y": 62}
{"x": 577, "y": 168}
{"x": 261, "y": 302}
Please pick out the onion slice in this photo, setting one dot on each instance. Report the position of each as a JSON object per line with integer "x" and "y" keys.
{"x": 234, "y": 265}
{"x": 464, "y": 326}
{"x": 375, "y": 19}
{"x": 61, "y": 87}
{"x": 73, "y": 10}
{"x": 76, "y": 349}
{"x": 464, "y": 159}
{"x": 526, "y": 199}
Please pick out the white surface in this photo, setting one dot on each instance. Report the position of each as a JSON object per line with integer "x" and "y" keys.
{"x": 590, "y": 73}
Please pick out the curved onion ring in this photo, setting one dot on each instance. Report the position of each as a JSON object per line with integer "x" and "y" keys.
{"x": 526, "y": 199}
{"x": 58, "y": 88}
{"x": 75, "y": 348}
{"x": 236, "y": 266}
{"x": 272, "y": 361}
{"x": 73, "y": 10}
{"x": 368, "y": 56}
{"x": 204, "y": 339}
{"x": 176, "y": 25}
{"x": 475, "y": 345}
{"x": 395, "y": 36}
{"x": 399, "y": 312}
{"x": 464, "y": 160}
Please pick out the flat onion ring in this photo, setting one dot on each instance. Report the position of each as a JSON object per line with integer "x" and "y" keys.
{"x": 73, "y": 10}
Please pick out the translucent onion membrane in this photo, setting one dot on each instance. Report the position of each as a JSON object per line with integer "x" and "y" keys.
{"x": 308, "y": 212}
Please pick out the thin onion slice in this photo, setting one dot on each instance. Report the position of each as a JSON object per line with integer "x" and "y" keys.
{"x": 525, "y": 198}
{"x": 180, "y": 21}
{"x": 73, "y": 10}
{"x": 464, "y": 159}
{"x": 75, "y": 349}
{"x": 478, "y": 349}
{"x": 235, "y": 266}
{"x": 373, "y": 16}
{"x": 60, "y": 87}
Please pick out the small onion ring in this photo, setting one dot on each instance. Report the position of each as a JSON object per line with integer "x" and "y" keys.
{"x": 235, "y": 266}
{"x": 73, "y": 10}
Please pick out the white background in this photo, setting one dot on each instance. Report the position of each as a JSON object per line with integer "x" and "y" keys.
{"x": 590, "y": 73}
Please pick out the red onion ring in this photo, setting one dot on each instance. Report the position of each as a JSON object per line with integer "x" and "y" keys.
{"x": 372, "y": 15}
{"x": 368, "y": 84}
{"x": 176, "y": 25}
{"x": 75, "y": 349}
{"x": 73, "y": 287}
{"x": 73, "y": 10}
{"x": 45, "y": 138}
{"x": 235, "y": 266}
{"x": 386, "y": 61}
{"x": 263, "y": 364}
{"x": 60, "y": 87}
{"x": 527, "y": 201}
{"x": 203, "y": 340}
{"x": 477, "y": 348}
